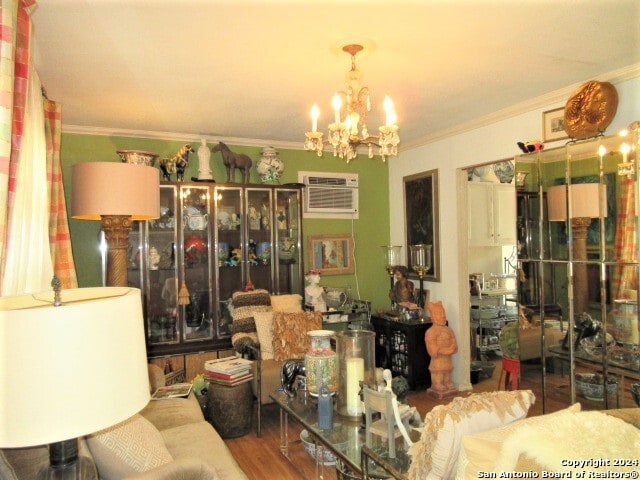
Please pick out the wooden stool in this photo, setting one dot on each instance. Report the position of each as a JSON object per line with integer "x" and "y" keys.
{"x": 230, "y": 409}
{"x": 510, "y": 366}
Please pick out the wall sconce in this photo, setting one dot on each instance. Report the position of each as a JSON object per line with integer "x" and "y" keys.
{"x": 587, "y": 201}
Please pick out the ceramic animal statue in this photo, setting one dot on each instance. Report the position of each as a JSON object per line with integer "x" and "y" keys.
{"x": 291, "y": 369}
{"x": 232, "y": 161}
{"x": 168, "y": 168}
{"x": 177, "y": 164}
{"x": 182, "y": 160}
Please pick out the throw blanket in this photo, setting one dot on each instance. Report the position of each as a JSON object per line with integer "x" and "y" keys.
{"x": 575, "y": 442}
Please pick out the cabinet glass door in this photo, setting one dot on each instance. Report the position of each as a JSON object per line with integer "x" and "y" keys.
{"x": 228, "y": 264}
{"x": 195, "y": 292}
{"x": 261, "y": 254}
{"x": 288, "y": 275}
{"x": 161, "y": 284}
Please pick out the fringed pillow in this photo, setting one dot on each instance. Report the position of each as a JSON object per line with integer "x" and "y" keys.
{"x": 290, "y": 302}
{"x": 290, "y": 339}
{"x": 435, "y": 455}
{"x": 243, "y": 328}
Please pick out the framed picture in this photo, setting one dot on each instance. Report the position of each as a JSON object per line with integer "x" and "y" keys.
{"x": 553, "y": 125}
{"x": 331, "y": 254}
{"x": 422, "y": 222}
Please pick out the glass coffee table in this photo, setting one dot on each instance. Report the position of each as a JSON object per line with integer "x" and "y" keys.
{"x": 346, "y": 440}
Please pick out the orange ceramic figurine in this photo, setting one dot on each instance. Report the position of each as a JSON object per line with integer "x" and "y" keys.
{"x": 441, "y": 344}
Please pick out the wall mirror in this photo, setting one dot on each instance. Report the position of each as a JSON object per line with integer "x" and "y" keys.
{"x": 577, "y": 229}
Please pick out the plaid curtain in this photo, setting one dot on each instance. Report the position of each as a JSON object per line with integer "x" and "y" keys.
{"x": 625, "y": 277}
{"x": 15, "y": 37}
{"x": 15, "y": 42}
{"x": 59, "y": 236}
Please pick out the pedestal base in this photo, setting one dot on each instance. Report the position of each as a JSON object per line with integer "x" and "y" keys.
{"x": 440, "y": 394}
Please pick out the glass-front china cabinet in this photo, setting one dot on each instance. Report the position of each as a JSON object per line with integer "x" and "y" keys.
{"x": 210, "y": 241}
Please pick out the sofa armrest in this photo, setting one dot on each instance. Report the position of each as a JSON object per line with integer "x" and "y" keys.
{"x": 180, "y": 469}
{"x": 156, "y": 377}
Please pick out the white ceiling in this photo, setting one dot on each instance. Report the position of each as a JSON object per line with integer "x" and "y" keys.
{"x": 249, "y": 71}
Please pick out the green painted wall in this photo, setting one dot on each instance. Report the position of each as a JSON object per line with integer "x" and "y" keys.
{"x": 370, "y": 231}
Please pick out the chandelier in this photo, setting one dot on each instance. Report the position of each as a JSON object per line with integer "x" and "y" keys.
{"x": 349, "y": 130}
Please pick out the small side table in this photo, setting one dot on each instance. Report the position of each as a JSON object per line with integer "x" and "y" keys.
{"x": 230, "y": 409}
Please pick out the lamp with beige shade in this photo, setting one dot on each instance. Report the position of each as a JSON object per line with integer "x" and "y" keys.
{"x": 116, "y": 194}
{"x": 587, "y": 201}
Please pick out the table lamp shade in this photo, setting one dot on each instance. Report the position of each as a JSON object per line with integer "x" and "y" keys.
{"x": 111, "y": 188}
{"x": 585, "y": 201}
{"x": 70, "y": 370}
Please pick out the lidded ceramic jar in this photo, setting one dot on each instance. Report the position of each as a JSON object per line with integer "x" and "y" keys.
{"x": 321, "y": 362}
{"x": 270, "y": 167}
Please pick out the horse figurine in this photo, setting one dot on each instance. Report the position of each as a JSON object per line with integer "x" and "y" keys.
{"x": 177, "y": 164}
{"x": 232, "y": 161}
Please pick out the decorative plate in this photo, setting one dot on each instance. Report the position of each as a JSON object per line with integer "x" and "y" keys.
{"x": 590, "y": 110}
{"x": 504, "y": 171}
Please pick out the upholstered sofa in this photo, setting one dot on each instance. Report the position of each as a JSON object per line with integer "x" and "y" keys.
{"x": 170, "y": 439}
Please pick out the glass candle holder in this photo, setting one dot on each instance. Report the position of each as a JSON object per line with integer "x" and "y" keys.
{"x": 391, "y": 257}
{"x": 356, "y": 360}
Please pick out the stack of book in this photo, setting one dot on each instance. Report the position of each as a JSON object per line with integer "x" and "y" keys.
{"x": 228, "y": 371}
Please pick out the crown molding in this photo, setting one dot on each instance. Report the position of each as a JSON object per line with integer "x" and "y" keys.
{"x": 557, "y": 96}
{"x": 178, "y": 136}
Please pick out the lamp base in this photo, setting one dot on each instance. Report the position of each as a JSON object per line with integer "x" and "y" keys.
{"x": 65, "y": 464}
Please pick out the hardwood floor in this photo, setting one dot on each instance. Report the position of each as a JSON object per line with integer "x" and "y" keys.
{"x": 260, "y": 458}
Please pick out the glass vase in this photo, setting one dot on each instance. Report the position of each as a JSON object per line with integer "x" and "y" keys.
{"x": 321, "y": 362}
{"x": 356, "y": 358}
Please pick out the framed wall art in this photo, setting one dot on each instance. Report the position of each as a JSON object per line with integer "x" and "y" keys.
{"x": 422, "y": 222}
{"x": 553, "y": 125}
{"x": 331, "y": 254}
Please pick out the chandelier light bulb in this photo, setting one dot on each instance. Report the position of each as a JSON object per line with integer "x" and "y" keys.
{"x": 336, "y": 103}
{"x": 315, "y": 113}
{"x": 625, "y": 148}
{"x": 602, "y": 150}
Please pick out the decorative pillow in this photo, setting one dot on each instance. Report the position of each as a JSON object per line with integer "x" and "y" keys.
{"x": 264, "y": 326}
{"x": 575, "y": 436}
{"x": 479, "y": 452}
{"x": 127, "y": 448}
{"x": 286, "y": 303}
{"x": 290, "y": 339}
{"x": 245, "y": 304}
{"x": 435, "y": 455}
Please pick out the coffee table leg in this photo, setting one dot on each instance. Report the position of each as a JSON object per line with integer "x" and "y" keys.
{"x": 284, "y": 433}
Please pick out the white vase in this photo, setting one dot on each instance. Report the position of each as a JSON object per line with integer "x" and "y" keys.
{"x": 270, "y": 167}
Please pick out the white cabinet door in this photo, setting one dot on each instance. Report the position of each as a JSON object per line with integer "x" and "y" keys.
{"x": 491, "y": 214}
{"x": 504, "y": 208}
{"x": 480, "y": 214}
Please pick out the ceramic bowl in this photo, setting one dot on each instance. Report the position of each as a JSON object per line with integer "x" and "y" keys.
{"x": 591, "y": 386}
{"x": 138, "y": 157}
{"x": 329, "y": 458}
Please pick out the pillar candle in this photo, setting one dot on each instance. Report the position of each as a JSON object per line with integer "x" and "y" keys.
{"x": 355, "y": 375}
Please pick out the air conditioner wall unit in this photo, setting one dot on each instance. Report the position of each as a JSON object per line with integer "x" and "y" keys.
{"x": 330, "y": 195}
